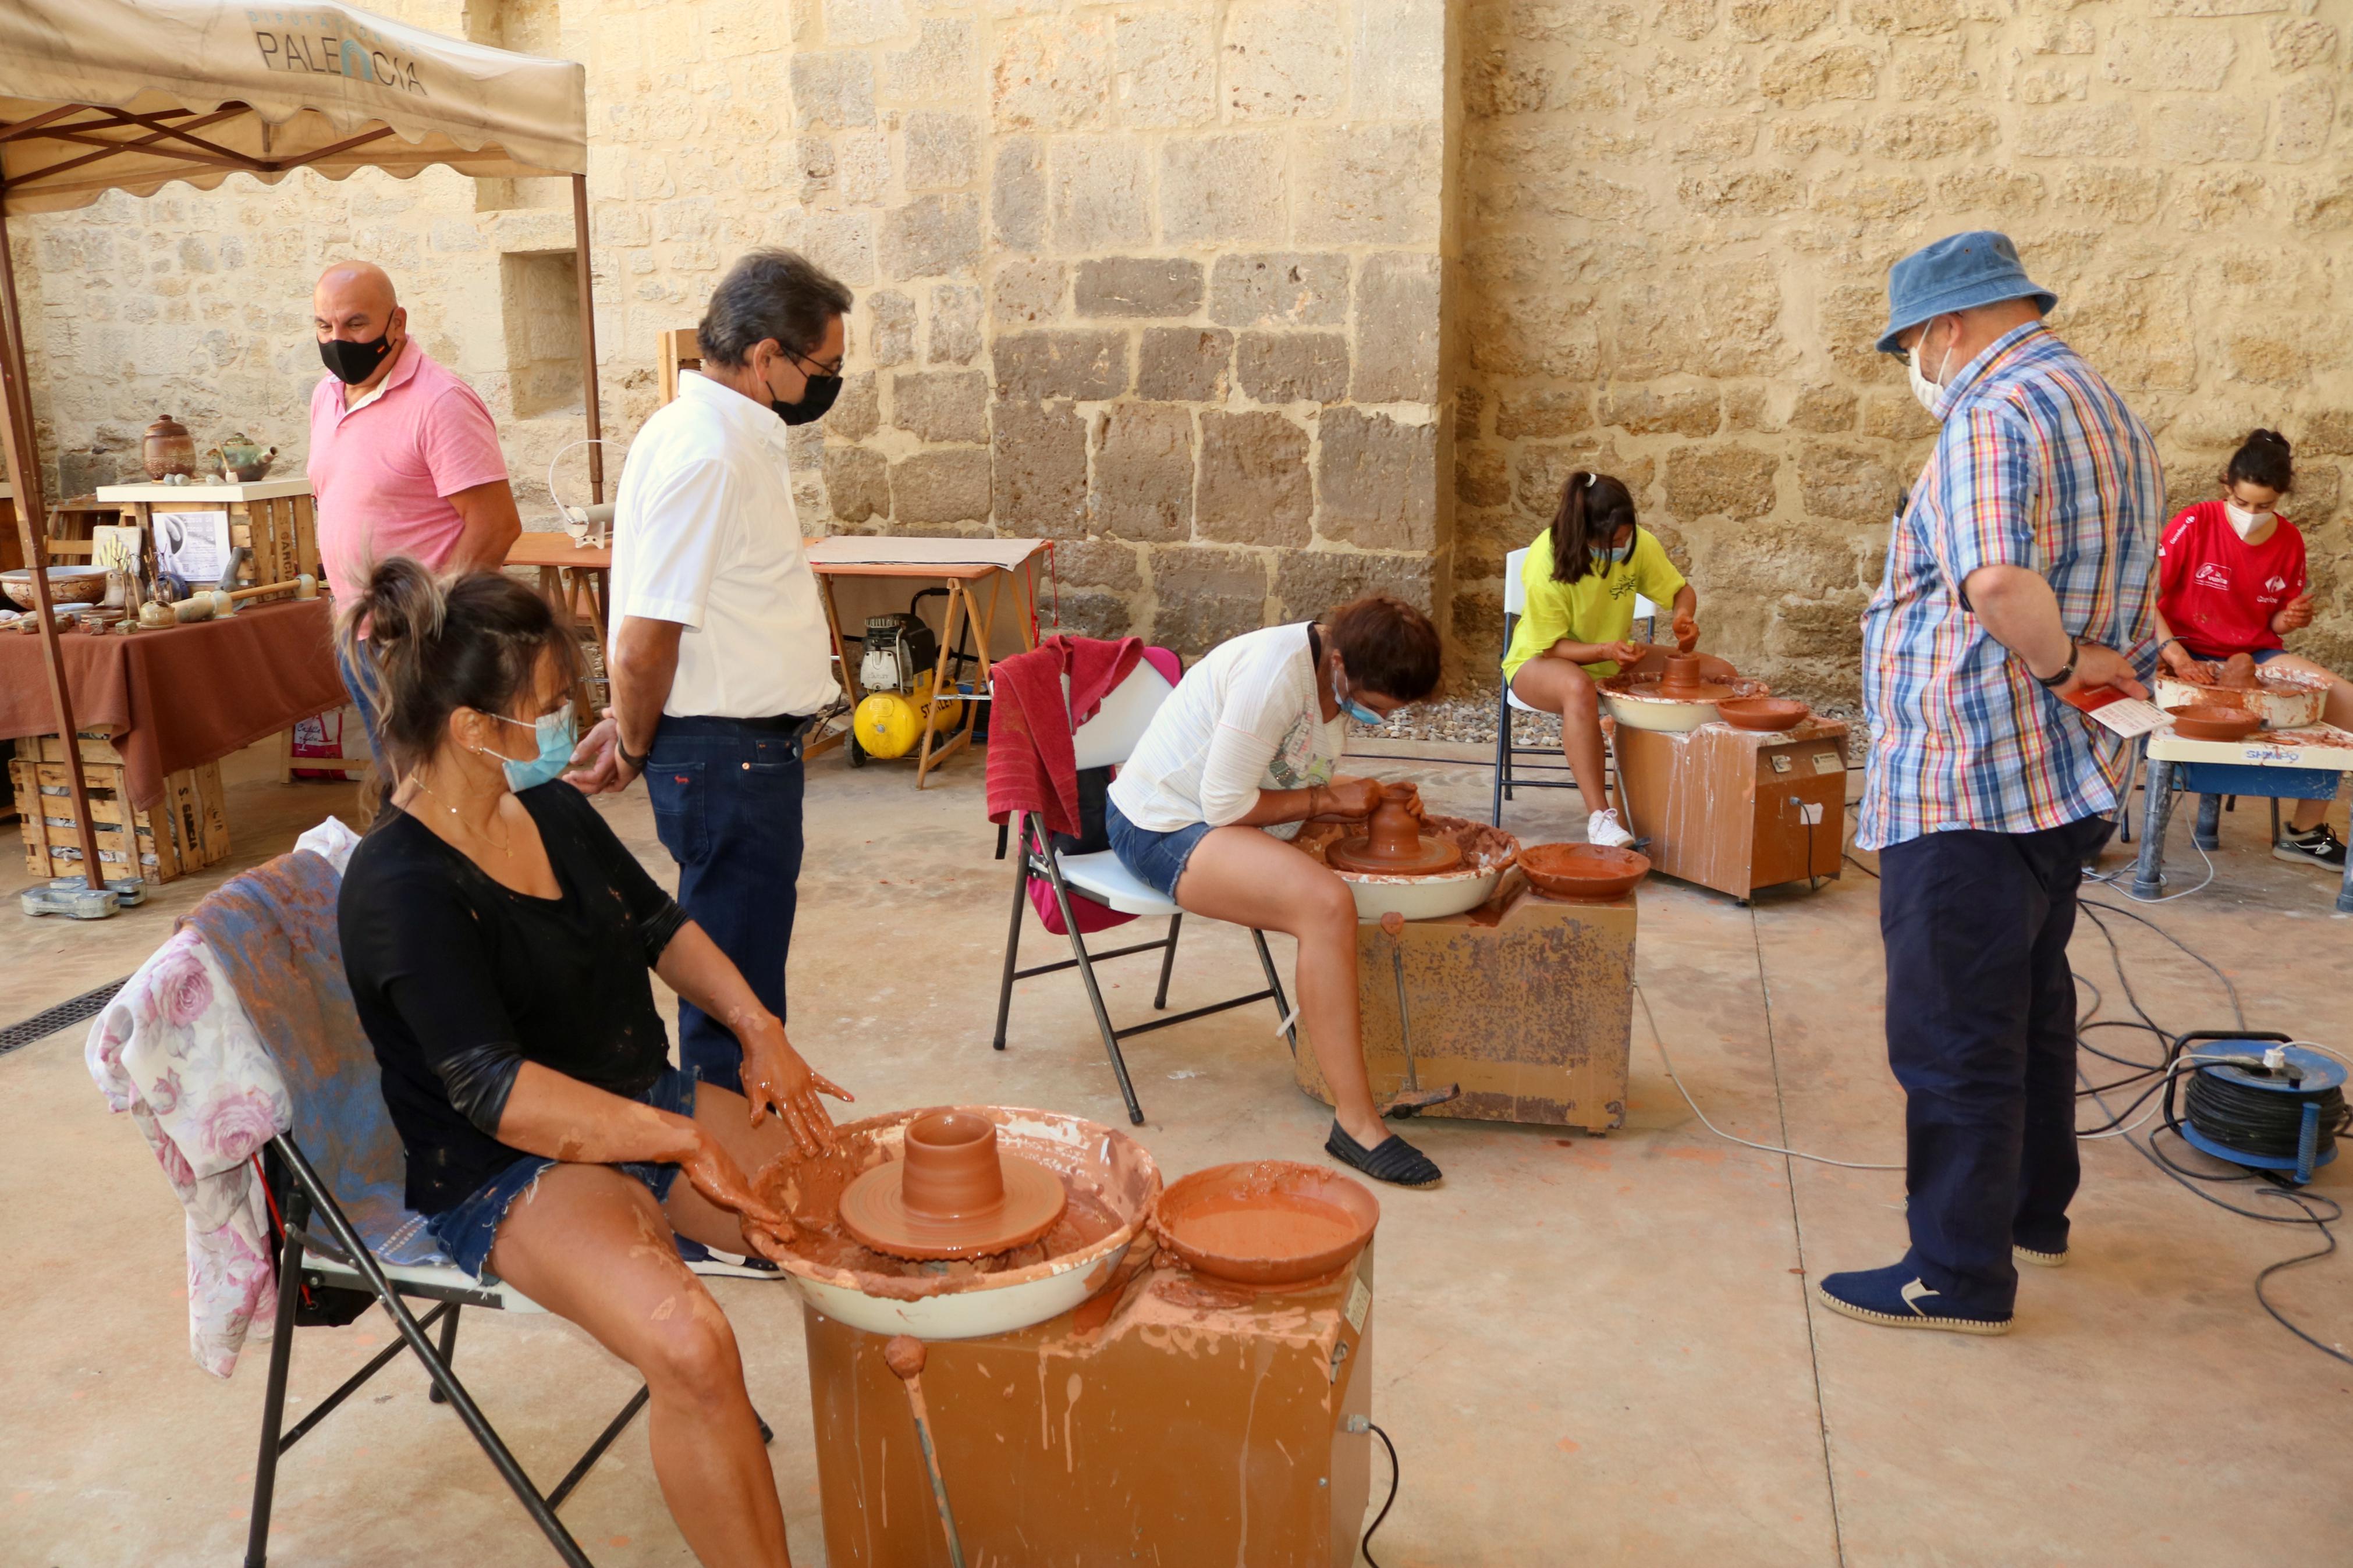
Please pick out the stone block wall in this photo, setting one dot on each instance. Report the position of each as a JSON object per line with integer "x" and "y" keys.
{"x": 1678, "y": 215}
{"x": 1252, "y": 304}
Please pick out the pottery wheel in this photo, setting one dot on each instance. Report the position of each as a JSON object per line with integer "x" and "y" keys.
{"x": 874, "y": 1211}
{"x": 1700, "y": 691}
{"x": 1355, "y": 855}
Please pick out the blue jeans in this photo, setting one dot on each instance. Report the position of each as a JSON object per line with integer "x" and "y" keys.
{"x": 727, "y": 806}
{"x": 360, "y": 699}
{"x": 1981, "y": 1034}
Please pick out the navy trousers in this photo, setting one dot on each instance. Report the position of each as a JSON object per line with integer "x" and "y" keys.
{"x": 727, "y": 804}
{"x": 1981, "y": 1034}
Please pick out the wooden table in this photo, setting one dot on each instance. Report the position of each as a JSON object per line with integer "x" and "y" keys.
{"x": 579, "y": 578}
{"x": 962, "y": 579}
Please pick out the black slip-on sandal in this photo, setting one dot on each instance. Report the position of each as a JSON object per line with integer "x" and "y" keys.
{"x": 1393, "y": 1160}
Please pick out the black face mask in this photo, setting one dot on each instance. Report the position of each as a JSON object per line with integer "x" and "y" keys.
{"x": 354, "y": 363}
{"x": 816, "y": 398}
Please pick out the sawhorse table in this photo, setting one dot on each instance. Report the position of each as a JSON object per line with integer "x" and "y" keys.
{"x": 963, "y": 565}
{"x": 2289, "y": 764}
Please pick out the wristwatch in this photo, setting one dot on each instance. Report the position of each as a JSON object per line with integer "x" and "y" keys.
{"x": 2066, "y": 672}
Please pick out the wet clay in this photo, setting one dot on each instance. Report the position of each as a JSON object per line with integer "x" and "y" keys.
{"x": 2238, "y": 673}
{"x": 1685, "y": 680}
{"x": 1265, "y": 1223}
{"x": 1394, "y": 843}
{"x": 1588, "y": 872}
{"x": 1277, "y": 1227}
{"x": 952, "y": 1195}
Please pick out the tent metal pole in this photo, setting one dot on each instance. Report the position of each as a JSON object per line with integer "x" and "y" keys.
{"x": 588, "y": 336}
{"x": 32, "y": 528}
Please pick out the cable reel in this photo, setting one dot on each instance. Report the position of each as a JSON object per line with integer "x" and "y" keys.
{"x": 2259, "y": 1101}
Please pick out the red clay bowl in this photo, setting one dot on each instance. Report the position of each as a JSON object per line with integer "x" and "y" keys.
{"x": 1762, "y": 712}
{"x": 2207, "y": 721}
{"x": 1266, "y": 1222}
{"x": 1583, "y": 871}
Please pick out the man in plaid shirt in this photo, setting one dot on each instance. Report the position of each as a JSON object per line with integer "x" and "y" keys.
{"x": 2021, "y": 574}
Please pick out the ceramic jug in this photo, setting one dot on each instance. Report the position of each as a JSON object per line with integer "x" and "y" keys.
{"x": 167, "y": 448}
{"x": 241, "y": 462}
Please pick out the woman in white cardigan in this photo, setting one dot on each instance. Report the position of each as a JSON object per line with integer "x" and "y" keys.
{"x": 1239, "y": 757}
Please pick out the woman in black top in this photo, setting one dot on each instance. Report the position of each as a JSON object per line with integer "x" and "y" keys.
{"x": 497, "y": 937}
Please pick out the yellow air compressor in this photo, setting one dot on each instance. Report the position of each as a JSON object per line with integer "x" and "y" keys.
{"x": 897, "y": 672}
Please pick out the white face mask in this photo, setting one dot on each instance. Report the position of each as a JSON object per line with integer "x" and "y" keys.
{"x": 2245, "y": 521}
{"x": 1927, "y": 389}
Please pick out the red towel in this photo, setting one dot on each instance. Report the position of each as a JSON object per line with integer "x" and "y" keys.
{"x": 1031, "y": 765}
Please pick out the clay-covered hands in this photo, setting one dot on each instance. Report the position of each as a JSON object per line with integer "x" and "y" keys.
{"x": 1349, "y": 799}
{"x": 2097, "y": 666}
{"x": 597, "y": 766}
{"x": 776, "y": 1079}
{"x": 1686, "y": 626}
{"x": 716, "y": 1174}
{"x": 2293, "y": 616}
{"x": 2184, "y": 664}
{"x": 1627, "y": 655}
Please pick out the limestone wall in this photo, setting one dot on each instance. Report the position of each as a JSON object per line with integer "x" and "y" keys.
{"x": 1678, "y": 214}
{"x": 1254, "y": 303}
{"x": 1159, "y": 280}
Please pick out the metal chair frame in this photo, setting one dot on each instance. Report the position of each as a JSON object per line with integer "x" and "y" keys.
{"x": 1506, "y": 747}
{"x": 340, "y": 1259}
{"x": 1037, "y": 856}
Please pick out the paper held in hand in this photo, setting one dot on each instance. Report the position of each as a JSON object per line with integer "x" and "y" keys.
{"x": 2128, "y": 716}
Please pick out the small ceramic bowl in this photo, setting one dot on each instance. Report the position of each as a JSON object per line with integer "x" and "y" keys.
{"x": 1587, "y": 872}
{"x": 67, "y": 585}
{"x": 1267, "y": 1223}
{"x": 2206, "y": 721}
{"x": 1763, "y": 712}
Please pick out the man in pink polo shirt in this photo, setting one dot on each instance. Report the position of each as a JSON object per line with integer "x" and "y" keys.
{"x": 404, "y": 458}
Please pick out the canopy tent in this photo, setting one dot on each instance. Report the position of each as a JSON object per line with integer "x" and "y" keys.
{"x": 130, "y": 95}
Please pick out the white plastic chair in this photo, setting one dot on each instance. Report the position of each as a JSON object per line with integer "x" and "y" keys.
{"x": 1515, "y": 603}
{"x": 1106, "y": 741}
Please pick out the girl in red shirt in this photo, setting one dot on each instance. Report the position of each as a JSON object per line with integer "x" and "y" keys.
{"x": 2230, "y": 580}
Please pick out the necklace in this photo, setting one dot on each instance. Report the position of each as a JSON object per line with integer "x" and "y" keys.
{"x": 506, "y": 849}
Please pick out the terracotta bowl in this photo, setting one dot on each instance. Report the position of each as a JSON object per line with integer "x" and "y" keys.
{"x": 1266, "y": 1222}
{"x": 1763, "y": 712}
{"x": 1583, "y": 871}
{"x": 2207, "y": 721}
{"x": 67, "y": 585}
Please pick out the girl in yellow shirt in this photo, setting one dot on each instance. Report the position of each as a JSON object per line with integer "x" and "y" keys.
{"x": 1582, "y": 574}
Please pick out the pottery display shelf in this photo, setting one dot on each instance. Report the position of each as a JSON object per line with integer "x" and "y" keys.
{"x": 2309, "y": 763}
{"x": 1736, "y": 810}
{"x": 271, "y": 518}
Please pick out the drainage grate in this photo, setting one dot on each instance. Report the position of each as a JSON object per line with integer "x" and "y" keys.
{"x": 41, "y": 1025}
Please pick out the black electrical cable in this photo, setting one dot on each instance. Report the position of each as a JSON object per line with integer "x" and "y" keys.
{"x": 1365, "y": 1545}
{"x": 2260, "y": 1121}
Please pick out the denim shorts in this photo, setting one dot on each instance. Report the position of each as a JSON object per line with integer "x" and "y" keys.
{"x": 2263, "y": 656}
{"x": 1158, "y": 859}
{"x": 466, "y": 1231}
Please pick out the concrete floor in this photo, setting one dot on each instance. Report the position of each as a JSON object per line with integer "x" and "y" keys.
{"x": 1588, "y": 1349}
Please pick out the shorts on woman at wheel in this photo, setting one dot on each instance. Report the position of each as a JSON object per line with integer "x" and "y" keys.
{"x": 466, "y": 1231}
{"x": 1157, "y": 859}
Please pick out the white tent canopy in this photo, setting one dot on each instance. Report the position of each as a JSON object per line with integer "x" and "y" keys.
{"x": 99, "y": 95}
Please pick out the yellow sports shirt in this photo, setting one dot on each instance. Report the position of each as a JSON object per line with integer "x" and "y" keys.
{"x": 1597, "y": 608}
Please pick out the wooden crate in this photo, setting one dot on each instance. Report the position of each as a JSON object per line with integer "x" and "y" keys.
{"x": 185, "y": 831}
{"x": 272, "y": 518}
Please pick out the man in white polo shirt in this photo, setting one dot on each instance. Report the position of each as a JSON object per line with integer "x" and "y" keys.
{"x": 722, "y": 654}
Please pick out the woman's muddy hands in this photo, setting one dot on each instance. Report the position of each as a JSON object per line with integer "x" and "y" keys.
{"x": 2185, "y": 665}
{"x": 716, "y": 1174}
{"x": 1686, "y": 627}
{"x": 1350, "y": 799}
{"x": 2294, "y": 615}
{"x": 776, "y": 1079}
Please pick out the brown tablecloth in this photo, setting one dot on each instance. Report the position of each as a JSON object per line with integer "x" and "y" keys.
{"x": 180, "y": 696}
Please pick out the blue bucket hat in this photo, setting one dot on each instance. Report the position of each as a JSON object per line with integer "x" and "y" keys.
{"x": 1959, "y": 272}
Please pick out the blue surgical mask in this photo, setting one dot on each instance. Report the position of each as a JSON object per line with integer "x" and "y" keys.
{"x": 1617, "y": 554}
{"x": 557, "y": 736}
{"x": 1352, "y": 709}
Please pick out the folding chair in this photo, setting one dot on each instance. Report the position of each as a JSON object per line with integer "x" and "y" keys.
{"x": 372, "y": 1242}
{"x": 1516, "y": 603}
{"x": 1102, "y": 743}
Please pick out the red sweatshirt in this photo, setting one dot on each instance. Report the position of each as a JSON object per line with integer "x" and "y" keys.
{"x": 2218, "y": 593}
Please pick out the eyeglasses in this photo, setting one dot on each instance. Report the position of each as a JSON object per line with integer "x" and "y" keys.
{"x": 815, "y": 367}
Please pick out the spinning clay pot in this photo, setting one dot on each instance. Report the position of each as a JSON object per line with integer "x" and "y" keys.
{"x": 953, "y": 1195}
{"x": 1394, "y": 843}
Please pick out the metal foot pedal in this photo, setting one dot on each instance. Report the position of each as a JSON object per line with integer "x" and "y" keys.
{"x": 73, "y": 898}
{"x": 1414, "y": 1102}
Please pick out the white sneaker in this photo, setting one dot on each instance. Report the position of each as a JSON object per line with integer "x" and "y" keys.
{"x": 1604, "y": 829}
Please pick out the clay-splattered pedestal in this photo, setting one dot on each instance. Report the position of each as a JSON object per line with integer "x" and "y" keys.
{"x": 1176, "y": 1420}
{"x": 1736, "y": 810}
{"x": 1531, "y": 1014}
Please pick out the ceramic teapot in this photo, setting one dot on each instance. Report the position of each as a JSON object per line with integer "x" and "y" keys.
{"x": 241, "y": 462}
{"x": 167, "y": 448}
